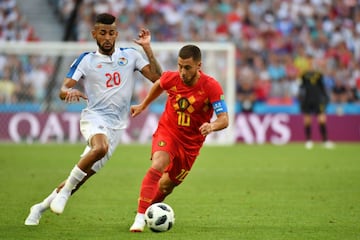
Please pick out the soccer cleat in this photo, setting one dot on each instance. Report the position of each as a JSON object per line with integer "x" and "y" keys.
{"x": 58, "y": 204}
{"x": 34, "y": 216}
{"x": 309, "y": 145}
{"x": 329, "y": 145}
{"x": 139, "y": 223}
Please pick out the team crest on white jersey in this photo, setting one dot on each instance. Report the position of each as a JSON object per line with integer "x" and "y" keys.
{"x": 122, "y": 61}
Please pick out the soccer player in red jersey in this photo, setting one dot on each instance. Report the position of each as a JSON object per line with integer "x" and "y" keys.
{"x": 193, "y": 97}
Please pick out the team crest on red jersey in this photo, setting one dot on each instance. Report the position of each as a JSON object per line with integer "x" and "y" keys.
{"x": 161, "y": 143}
{"x": 183, "y": 104}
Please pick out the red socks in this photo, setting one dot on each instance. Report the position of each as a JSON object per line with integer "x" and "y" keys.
{"x": 159, "y": 197}
{"x": 149, "y": 188}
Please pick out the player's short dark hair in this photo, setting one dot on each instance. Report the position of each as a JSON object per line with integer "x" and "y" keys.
{"x": 190, "y": 51}
{"x": 105, "y": 18}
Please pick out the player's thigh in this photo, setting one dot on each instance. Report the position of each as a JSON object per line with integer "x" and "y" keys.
{"x": 163, "y": 149}
{"x": 89, "y": 128}
{"x": 92, "y": 126}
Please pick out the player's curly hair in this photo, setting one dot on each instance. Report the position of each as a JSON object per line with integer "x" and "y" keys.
{"x": 105, "y": 18}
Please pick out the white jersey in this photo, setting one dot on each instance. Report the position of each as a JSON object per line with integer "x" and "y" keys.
{"x": 108, "y": 83}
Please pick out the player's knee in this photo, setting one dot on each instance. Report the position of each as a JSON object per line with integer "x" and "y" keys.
{"x": 160, "y": 160}
{"x": 99, "y": 150}
{"x": 159, "y": 164}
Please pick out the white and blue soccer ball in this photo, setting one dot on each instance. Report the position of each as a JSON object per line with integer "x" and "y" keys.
{"x": 159, "y": 217}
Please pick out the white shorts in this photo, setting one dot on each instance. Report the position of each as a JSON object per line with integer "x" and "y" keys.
{"x": 91, "y": 125}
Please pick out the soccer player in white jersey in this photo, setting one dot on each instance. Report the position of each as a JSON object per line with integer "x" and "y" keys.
{"x": 108, "y": 77}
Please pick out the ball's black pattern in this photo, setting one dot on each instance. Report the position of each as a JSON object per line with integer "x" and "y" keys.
{"x": 159, "y": 217}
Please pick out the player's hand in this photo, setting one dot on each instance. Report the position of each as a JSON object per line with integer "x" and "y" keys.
{"x": 74, "y": 95}
{"x": 205, "y": 128}
{"x": 136, "y": 110}
{"x": 144, "y": 37}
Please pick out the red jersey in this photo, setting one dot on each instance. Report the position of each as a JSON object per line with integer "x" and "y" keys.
{"x": 188, "y": 107}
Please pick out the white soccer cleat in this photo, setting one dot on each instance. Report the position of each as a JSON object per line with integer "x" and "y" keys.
{"x": 139, "y": 223}
{"x": 309, "y": 145}
{"x": 34, "y": 215}
{"x": 58, "y": 204}
{"x": 329, "y": 145}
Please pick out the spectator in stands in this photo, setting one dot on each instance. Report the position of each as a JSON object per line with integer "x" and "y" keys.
{"x": 15, "y": 27}
{"x": 245, "y": 91}
{"x": 339, "y": 96}
{"x": 355, "y": 79}
{"x": 262, "y": 84}
{"x": 277, "y": 74}
{"x": 3, "y": 62}
{"x": 7, "y": 88}
{"x": 38, "y": 78}
{"x": 351, "y": 83}
{"x": 291, "y": 85}
{"x": 24, "y": 91}
{"x": 302, "y": 59}
{"x": 329, "y": 80}
{"x": 342, "y": 78}
{"x": 15, "y": 67}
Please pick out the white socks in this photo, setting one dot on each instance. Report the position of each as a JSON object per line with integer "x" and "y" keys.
{"x": 76, "y": 176}
{"x": 46, "y": 202}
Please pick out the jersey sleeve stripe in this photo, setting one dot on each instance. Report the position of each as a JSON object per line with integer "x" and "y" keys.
{"x": 76, "y": 64}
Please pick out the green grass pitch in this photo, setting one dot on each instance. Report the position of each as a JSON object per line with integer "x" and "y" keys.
{"x": 233, "y": 192}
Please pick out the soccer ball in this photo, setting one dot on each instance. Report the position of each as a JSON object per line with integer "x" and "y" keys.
{"x": 159, "y": 217}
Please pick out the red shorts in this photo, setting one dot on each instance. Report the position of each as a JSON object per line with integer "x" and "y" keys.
{"x": 181, "y": 160}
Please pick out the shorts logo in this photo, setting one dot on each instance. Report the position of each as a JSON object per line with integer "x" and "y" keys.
{"x": 122, "y": 61}
{"x": 161, "y": 143}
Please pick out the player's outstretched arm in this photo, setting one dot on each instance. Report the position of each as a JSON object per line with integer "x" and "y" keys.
{"x": 152, "y": 71}
{"x": 155, "y": 92}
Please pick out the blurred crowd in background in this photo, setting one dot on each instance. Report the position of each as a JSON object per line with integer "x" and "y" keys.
{"x": 276, "y": 41}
